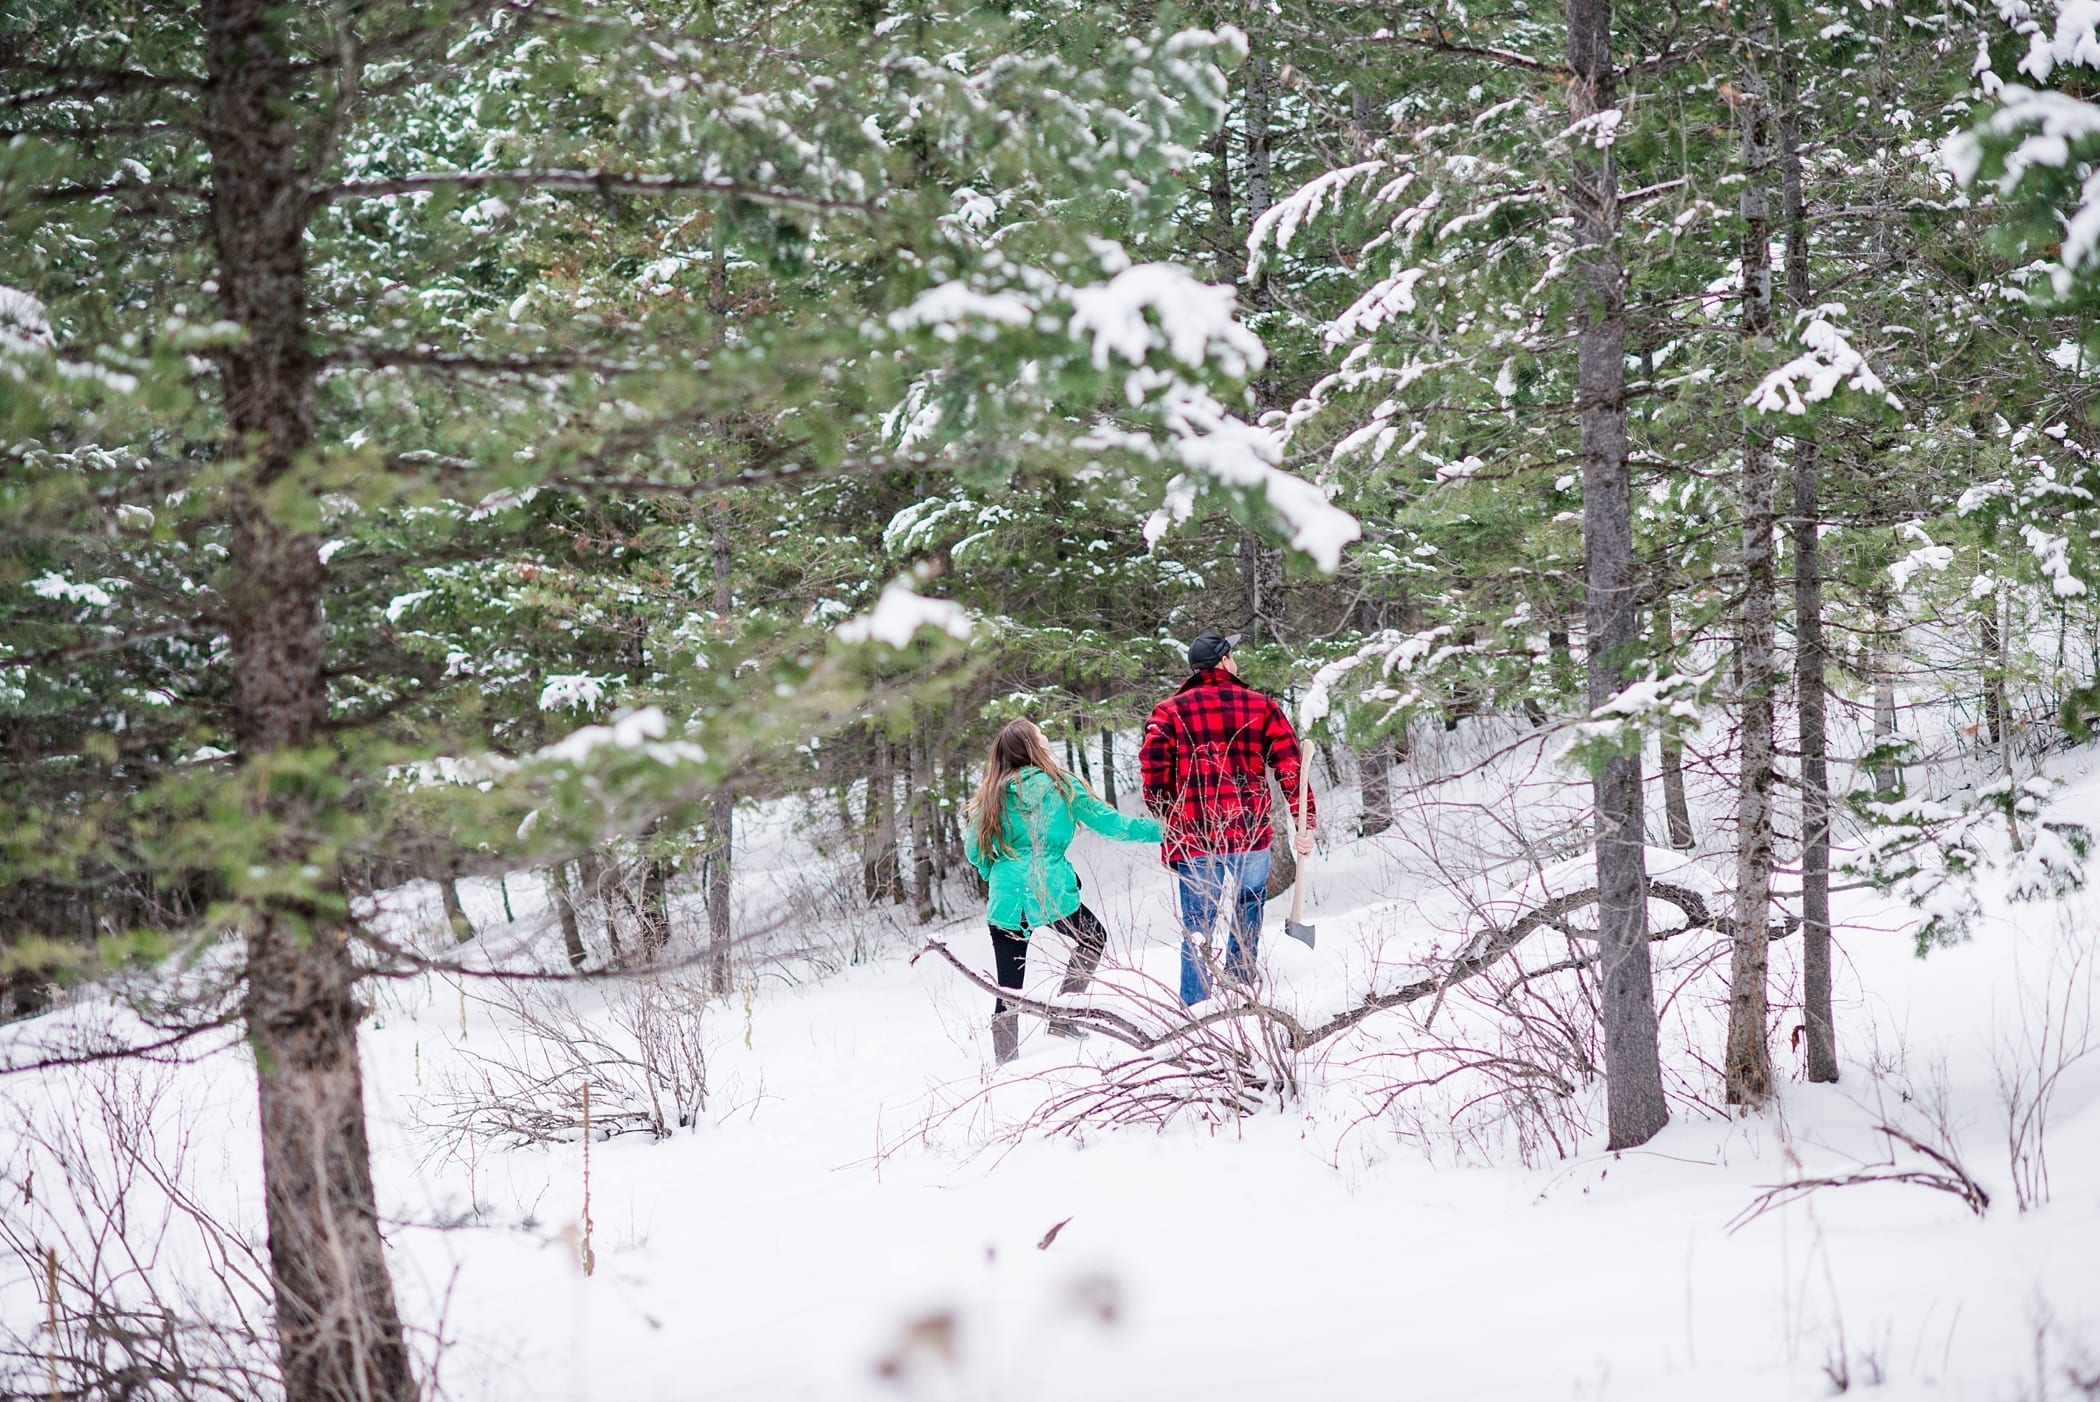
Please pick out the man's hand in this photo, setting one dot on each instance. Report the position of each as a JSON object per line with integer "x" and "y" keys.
{"x": 1302, "y": 844}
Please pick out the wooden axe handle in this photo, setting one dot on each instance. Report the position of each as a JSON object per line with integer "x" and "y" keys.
{"x": 1298, "y": 886}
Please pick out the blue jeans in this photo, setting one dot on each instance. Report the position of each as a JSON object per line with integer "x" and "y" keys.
{"x": 1207, "y": 883}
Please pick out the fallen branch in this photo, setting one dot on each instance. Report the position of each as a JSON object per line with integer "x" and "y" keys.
{"x": 1950, "y": 1178}
{"x": 1489, "y": 948}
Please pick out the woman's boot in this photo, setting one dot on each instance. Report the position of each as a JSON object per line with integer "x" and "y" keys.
{"x": 1006, "y": 1036}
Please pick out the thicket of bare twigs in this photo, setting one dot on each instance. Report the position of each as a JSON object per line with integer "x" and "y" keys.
{"x": 124, "y": 1281}
{"x": 643, "y": 1060}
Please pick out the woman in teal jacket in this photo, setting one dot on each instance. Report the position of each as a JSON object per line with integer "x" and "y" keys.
{"x": 1024, "y": 816}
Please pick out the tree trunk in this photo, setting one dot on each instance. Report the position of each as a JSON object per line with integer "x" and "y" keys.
{"x": 1677, "y": 812}
{"x": 1636, "y": 1109}
{"x": 653, "y": 913}
{"x": 944, "y": 854}
{"x": 1882, "y": 648}
{"x": 1748, "y": 1065}
{"x": 565, "y": 910}
{"x": 1108, "y": 767}
{"x": 879, "y": 873}
{"x": 592, "y": 885}
{"x": 1259, "y": 111}
{"x": 1563, "y": 664}
{"x": 918, "y": 788}
{"x": 1810, "y": 664}
{"x": 1231, "y": 249}
{"x": 455, "y": 914}
{"x": 1261, "y": 585}
{"x": 1994, "y": 713}
{"x": 721, "y": 817}
{"x": 339, "y": 1331}
{"x": 1374, "y": 770}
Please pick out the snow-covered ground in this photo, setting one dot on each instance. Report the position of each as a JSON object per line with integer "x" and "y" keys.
{"x": 850, "y": 1217}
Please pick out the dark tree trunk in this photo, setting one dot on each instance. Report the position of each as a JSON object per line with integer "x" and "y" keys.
{"x": 879, "y": 871}
{"x": 1375, "y": 776}
{"x": 1636, "y": 1109}
{"x": 1108, "y": 767}
{"x": 1677, "y": 811}
{"x": 1260, "y": 111}
{"x": 571, "y": 923}
{"x": 653, "y": 913}
{"x": 918, "y": 789}
{"x": 1231, "y": 249}
{"x": 1994, "y": 712}
{"x": 1563, "y": 664}
{"x": 721, "y": 817}
{"x": 594, "y": 883}
{"x": 455, "y": 914}
{"x": 1810, "y": 665}
{"x": 1748, "y": 1066}
{"x": 339, "y": 1331}
{"x": 1882, "y": 647}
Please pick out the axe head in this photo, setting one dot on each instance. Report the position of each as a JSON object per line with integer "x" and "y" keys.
{"x": 1301, "y": 933}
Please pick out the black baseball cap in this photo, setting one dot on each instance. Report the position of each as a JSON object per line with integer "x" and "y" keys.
{"x": 1210, "y": 649}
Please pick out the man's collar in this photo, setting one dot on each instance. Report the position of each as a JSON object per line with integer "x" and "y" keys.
{"x": 1208, "y": 676}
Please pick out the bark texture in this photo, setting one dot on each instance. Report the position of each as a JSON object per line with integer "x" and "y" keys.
{"x": 721, "y": 817}
{"x": 880, "y": 876}
{"x": 1883, "y": 645}
{"x": 455, "y": 913}
{"x": 1633, "y": 1071}
{"x": 1677, "y": 810}
{"x": 571, "y": 923}
{"x": 1375, "y": 777}
{"x": 1810, "y": 661}
{"x": 339, "y": 1330}
{"x": 1748, "y": 1064}
{"x": 918, "y": 785}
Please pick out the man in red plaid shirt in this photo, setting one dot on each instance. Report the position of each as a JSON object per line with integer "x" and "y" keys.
{"x": 1206, "y": 751}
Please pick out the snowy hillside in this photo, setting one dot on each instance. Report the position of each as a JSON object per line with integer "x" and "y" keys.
{"x": 864, "y": 1208}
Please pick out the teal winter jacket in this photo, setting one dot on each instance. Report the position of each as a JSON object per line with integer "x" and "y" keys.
{"x": 1036, "y": 885}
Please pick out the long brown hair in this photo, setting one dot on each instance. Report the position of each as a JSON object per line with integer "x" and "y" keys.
{"x": 1019, "y": 746}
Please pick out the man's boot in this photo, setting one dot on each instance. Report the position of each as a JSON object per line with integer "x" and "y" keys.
{"x": 1006, "y": 1036}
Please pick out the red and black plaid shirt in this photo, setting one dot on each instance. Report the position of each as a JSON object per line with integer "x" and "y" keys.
{"x": 1205, "y": 749}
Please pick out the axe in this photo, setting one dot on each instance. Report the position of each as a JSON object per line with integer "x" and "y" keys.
{"x": 1294, "y": 927}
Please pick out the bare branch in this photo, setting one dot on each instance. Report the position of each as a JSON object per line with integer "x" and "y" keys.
{"x": 600, "y": 182}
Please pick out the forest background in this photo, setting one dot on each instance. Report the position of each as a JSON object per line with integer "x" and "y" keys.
{"x": 503, "y": 438}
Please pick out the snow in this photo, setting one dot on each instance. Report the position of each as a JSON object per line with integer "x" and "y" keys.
{"x": 51, "y": 585}
{"x": 823, "y": 1221}
{"x": 1925, "y": 557}
{"x": 25, "y": 327}
{"x": 641, "y": 730}
{"x": 1599, "y": 129}
{"x": 1193, "y": 320}
{"x": 578, "y": 690}
{"x": 1828, "y": 364}
{"x": 2075, "y": 41}
{"x": 945, "y": 307}
{"x": 1391, "y": 296}
{"x": 900, "y": 612}
{"x": 1213, "y": 444}
{"x": 1279, "y": 224}
{"x": 2052, "y": 551}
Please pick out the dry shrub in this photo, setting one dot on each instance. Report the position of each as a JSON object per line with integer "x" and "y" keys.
{"x": 121, "y": 1282}
{"x": 643, "y": 1059}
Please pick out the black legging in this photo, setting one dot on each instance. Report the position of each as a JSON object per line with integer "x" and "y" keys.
{"x": 1089, "y": 937}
